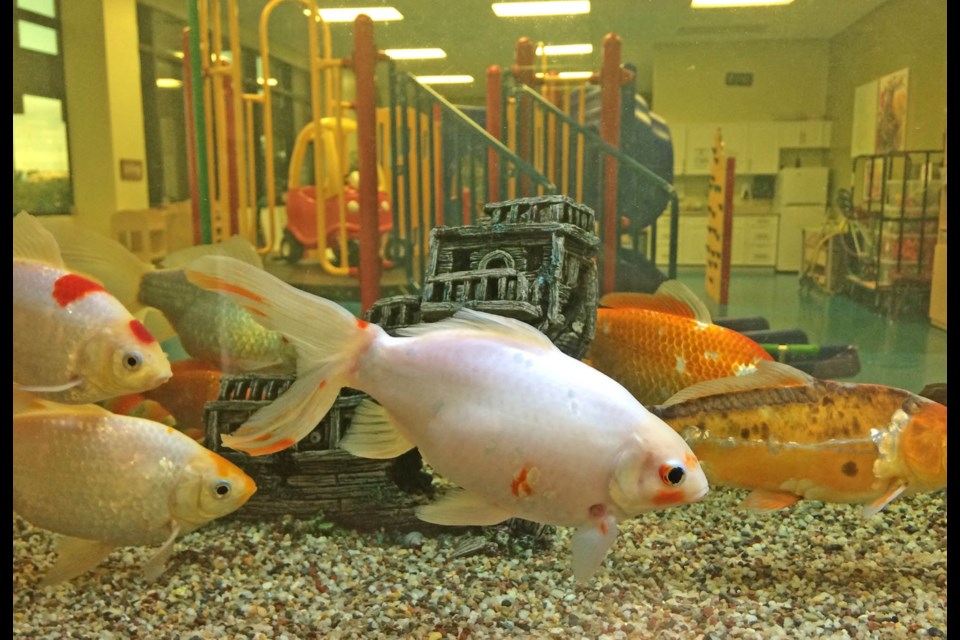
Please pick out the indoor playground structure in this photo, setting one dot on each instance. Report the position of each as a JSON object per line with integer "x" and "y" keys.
{"x": 384, "y": 176}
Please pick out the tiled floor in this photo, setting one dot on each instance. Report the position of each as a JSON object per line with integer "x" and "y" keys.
{"x": 906, "y": 352}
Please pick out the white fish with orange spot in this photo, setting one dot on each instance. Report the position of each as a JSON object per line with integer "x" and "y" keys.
{"x": 105, "y": 480}
{"x": 492, "y": 404}
{"x": 72, "y": 341}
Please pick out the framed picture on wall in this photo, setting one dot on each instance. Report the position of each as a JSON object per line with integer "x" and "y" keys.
{"x": 891, "y": 112}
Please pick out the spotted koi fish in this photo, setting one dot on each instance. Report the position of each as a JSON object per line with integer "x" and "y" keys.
{"x": 787, "y": 436}
{"x": 657, "y": 344}
{"x": 525, "y": 430}
{"x": 73, "y": 342}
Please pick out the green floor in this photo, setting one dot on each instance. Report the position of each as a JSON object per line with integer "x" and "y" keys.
{"x": 906, "y": 351}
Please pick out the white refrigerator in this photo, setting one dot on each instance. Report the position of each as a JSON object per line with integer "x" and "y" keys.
{"x": 800, "y": 199}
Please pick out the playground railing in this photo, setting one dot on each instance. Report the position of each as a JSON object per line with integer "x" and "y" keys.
{"x": 438, "y": 168}
{"x": 572, "y": 155}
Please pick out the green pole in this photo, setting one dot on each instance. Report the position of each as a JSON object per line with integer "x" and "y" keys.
{"x": 199, "y": 123}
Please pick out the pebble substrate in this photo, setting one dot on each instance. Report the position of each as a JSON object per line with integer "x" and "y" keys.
{"x": 708, "y": 570}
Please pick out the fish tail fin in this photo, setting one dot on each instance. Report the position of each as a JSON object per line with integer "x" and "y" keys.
{"x": 328, "y": 339}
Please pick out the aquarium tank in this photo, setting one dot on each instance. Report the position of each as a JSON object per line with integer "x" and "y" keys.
{"x": 522, "y": 319}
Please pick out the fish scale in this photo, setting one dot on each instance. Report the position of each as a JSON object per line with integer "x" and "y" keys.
{"x": 655, "y": 354}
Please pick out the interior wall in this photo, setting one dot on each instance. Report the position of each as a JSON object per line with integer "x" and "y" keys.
{"x": 900, "y": 34}
{"x": 789, "y": 81}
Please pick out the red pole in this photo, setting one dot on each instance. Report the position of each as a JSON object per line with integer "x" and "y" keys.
{"x": 191, "y": 139}
{"x": 364, "y": 63}
{"x": 523, "y": 71}
{"x": 233, "y": 192}
{"x": 610, "y": 133}
{"x": 494, "y": 127}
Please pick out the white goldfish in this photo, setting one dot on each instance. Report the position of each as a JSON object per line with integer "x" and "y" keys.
{"x": 72, "y": 340}
{"x": 105, "y": 480}
{"x": 492, "y": 404}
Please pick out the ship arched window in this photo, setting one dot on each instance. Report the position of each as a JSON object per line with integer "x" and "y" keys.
{"x": 497, "y": 260}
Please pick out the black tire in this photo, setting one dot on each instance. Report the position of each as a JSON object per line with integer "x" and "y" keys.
{"x": 290, "y": 248}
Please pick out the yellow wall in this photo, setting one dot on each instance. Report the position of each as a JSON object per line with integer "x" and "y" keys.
{"x": 900, "y": 34}
{"x": 105, "y": 110}
{"x": 789, "y": 81}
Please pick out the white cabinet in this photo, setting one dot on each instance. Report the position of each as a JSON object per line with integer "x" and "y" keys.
{"x": 691, "y": 240}
{"x": 754, "y": 241}
{"x": 764, "y": 153}
{"x": 755, "y": 145}
{"x": 805, "y": 134}
{"x": 700, "y": 139}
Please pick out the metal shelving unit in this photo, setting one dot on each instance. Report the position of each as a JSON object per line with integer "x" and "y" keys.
{"x": 893, "y": 226}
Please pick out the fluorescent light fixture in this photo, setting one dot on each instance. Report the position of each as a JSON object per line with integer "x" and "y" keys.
{"x": 564, "y": 49}
{"x": 344, "y": 14}
{"x": 416, "y": 54}
{"x": 169, "y": 83}
{"x": 571, "y": 75}
{"x": 552, "y": 8}
{"x": 273, "y": 82}
{"x": 720, "y": 4}
{"x": 448, "y": 79}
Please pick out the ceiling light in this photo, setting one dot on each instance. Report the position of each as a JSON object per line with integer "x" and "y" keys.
{"x": 564, "y": 49}
{"x": 416, "y": 54}
{"x": 554, "y": 8}
{"x": 571, "y": 75}
{"x": 273, "y": 82}
{"x": 448, "y": 79}
{"x": 719, "y": 4}
{"x": 169, "y": 83}
{"x": 344, "y": 14}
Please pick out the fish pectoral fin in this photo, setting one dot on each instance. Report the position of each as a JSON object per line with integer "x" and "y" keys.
{"x": 373, "y": 433}
{"x": 75, "y": 556}
{"x": 590, "y": 546}
{"x": 53, "y": 388}
{"x": 463, "y": 509}
{"x": 289, "y": 418}
{"x": 157, "y": 564}
{"x": 763, "y": 500}
{"x": 873, "y": 508}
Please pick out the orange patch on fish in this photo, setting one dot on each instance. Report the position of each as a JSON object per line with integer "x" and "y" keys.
{"x": 71, "y": 287}
{"x": 255, "y": 311}
{"x": 690, "y": 461}
{"x": 219, "y": 284}
{"x": 141, "y": 333}
{"x": 672, "y": 496}
{"x": 521, "y": 483}
{"x": 363, "y": 324}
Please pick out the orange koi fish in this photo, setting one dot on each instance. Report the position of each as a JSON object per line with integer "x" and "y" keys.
{"x": 668, "y": 343}
{"x": 72, "y": 340}
{"x": 105, "y": 481}
{"x": 496, "y": 408}
{"x": 788, "y": 436}
{"x": 185, "y": 395}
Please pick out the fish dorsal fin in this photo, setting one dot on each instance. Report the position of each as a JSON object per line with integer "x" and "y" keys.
{"x": 472, "y": 320}
{"x": 682, "y": 293}
{"x": 672, "y": 297}
{"x": 101, "y": 258}
{"x": 235, "y": 246}
{"x": 33, "y": 242}
{"x": 768, "y": 373}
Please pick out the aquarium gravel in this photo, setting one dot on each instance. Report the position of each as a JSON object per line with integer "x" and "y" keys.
{"x": 707, "y": 570}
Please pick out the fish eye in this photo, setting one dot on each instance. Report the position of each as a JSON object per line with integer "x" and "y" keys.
{"x": 672, "y": 474}
{"x": 132, "y": 360}
{"x": 222, "y": 488}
